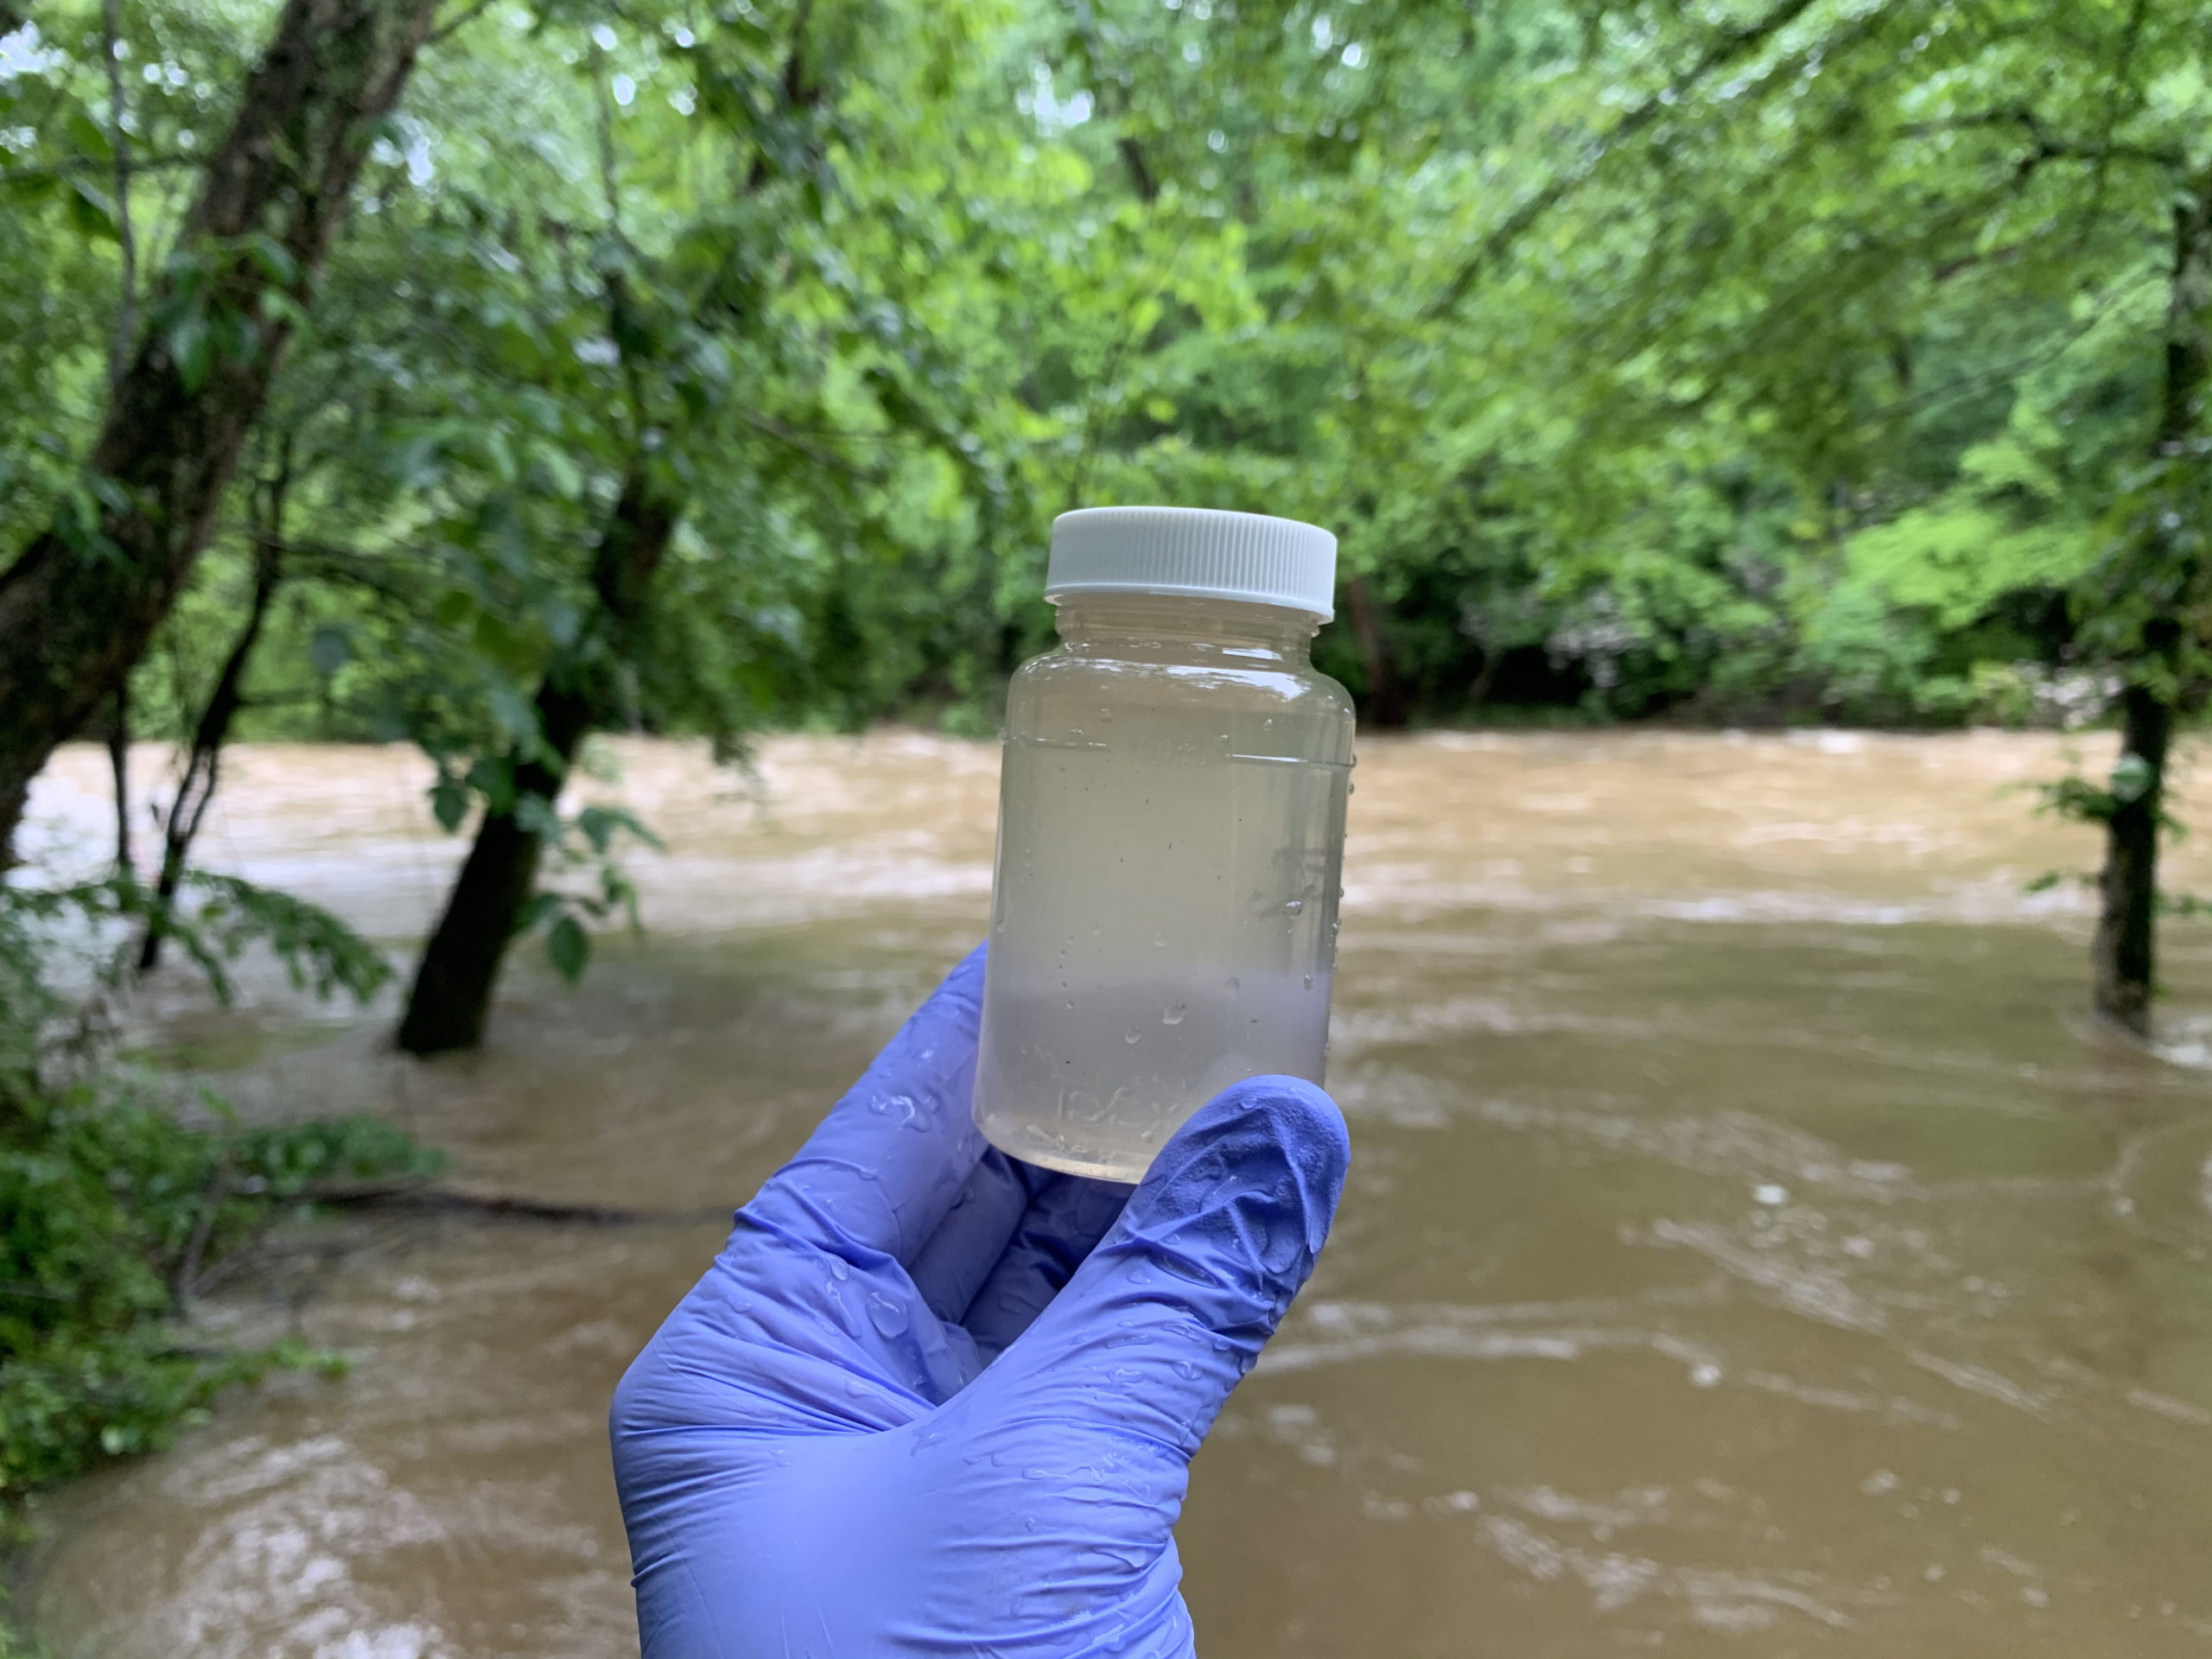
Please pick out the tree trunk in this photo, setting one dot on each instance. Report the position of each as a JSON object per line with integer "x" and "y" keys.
{"x": 78, "y": 606}
{"x": 195, "y": 790}
{"x": 2126, "y": 931}
{"x": 452, "y": 994}
{"x": 451, "y": 998}
{"x": 1386, "y": 704}
{"x": 2124, "y": 951}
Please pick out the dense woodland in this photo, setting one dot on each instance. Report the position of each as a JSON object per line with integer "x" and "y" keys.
{"x": 480, "y": 376}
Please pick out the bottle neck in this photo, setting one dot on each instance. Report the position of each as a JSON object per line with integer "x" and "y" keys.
{"x": 1177, "y": 627}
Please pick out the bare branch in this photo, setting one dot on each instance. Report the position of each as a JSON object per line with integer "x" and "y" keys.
{"x": 792, "y": 438}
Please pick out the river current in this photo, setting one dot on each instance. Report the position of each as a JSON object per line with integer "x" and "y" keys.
{"x": 1751, "y": 1246}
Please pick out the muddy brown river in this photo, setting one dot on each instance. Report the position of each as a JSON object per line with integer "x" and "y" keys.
{"x": 1751, "y": 1247}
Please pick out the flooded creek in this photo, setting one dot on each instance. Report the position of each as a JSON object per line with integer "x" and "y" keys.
{"x": 1751, "y": 1245}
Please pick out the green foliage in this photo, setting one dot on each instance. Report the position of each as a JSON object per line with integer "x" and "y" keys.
{"x": 318, "y": 951}
{"x": 115, "y": 1209}
{"x": 580, "y": 846}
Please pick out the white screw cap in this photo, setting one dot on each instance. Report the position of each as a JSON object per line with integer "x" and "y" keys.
{"x": 1195, "y": 551}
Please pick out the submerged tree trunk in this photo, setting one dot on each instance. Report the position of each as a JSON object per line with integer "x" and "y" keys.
{"x": 78, "y": 606}
{"x": 451, "y": 998}
{"x": 2125, "y": 950}
{"x": 452, "y": 994}
{"x": 2127, "y": 929}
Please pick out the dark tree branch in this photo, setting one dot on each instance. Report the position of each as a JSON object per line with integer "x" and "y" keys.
{"x": 460, "y": 21}
{"x": 195, "y": 790}
{"x": 1140, "y": 179}
{"x": 792, "y": 438}
{"x": 2043, "y": 146}
{"x": 421, "y": 1195}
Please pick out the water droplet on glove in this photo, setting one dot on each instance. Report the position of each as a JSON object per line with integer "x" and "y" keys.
{"x": 886, "y": 1313}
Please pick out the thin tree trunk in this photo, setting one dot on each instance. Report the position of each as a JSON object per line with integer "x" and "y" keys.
{"x": 1386, "y": 703}
{"x": 195, "y": 790}
{"x": 452, "y": 994}
{"x": 2124, "y": 952}
{"x": 78, "y": 606}
{"x": 119, "y": 766}
{"x": 1485, "y": 677}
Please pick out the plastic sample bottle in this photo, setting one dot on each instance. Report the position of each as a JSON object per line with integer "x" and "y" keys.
{"x": 1170, "y": 833}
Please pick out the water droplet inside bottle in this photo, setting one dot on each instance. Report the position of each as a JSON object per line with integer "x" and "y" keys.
{"x": 1070, "y": 1006}
{"x": 1291, "y": 907}
{"x": 1172, "y": 1015}
{"x": 1160, "y": 940}
{"x": 1309, "y": 982}
{"x": 1234, "y": 984}
{"x": 838, "y": 1269}
{"x": 1132, "y": 1035}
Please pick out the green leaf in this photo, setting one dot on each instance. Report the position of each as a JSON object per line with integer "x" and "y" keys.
{"x": 190, "y": 347}
{"x": 534, "y": 815}
{"x": 273, "y": 257}
{"x": 2133, "y": 777}
{"x": 569, "y": 948}
{"x": 448, "y": 802}
{"x": 542, "y": 907}
{"x": 92, "y": 209}
{"x": 330, "y": 650}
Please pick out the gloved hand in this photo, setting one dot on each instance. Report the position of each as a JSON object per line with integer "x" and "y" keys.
{"x": 929, "y": 1400}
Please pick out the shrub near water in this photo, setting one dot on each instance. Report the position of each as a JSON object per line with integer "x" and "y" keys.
{"x": 112, "y": 1211}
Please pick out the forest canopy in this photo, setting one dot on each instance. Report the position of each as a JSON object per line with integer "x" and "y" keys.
{"x": 1738, "y": 361}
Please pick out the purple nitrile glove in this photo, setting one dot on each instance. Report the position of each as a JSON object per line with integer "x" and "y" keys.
{"x": 929, "y": 1400}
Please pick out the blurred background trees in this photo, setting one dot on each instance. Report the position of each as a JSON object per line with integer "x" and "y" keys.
{"x": 692, "y": 368}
